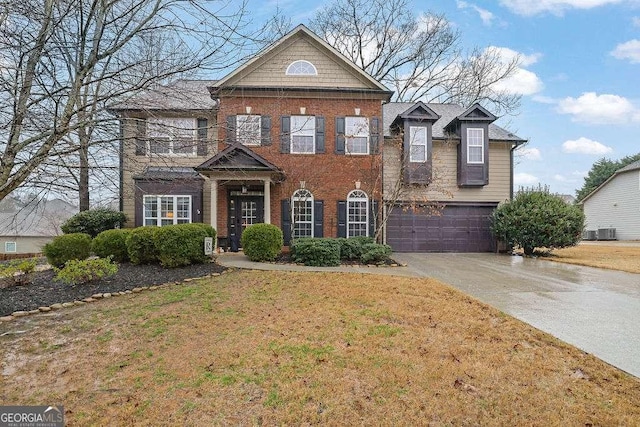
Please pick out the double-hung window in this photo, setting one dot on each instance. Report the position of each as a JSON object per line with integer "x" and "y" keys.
{"x": 166, "y": 210}
{"x": 475, "y": 145}
{"x": 357, "y": 214}
{"x": 303, "y": 134}
{"x": 417, "y": 144}
{"x": 170, "y": 135}
{"x": 248, "y": 129}
{"x": 356, "y": 135}
{"x": 302, "y": 213}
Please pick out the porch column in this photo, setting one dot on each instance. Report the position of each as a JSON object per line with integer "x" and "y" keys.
{"x": 267, "y": 201}
{"x": 214, "y": 204}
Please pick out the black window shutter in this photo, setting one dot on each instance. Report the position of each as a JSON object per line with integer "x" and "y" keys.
{"x": 373, "y": 218}
{"x": 318, "y": 218}
{"x": 319, "y": 134}
{"x": 285, "y": 130}
{"x": 265, "y": 130}
{"x": 342, "y": 218}
{"x": 374, "y": 135}
{"x": 141, "y": 134}
{"x": 230, "y": 135}
{"x": 340, "y": 129}
{"x": 286, "y": 221}
{"x": 202, "y": 137}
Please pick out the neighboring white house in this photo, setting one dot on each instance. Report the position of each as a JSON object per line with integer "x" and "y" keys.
{"x": 27, "y": 228}
{"x": 616, "y": 204}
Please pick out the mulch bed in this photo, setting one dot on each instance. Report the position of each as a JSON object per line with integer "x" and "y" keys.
{"x": 45, "y": 291}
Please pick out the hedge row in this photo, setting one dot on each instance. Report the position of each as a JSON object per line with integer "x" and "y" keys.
{"x": 328, "y": 252}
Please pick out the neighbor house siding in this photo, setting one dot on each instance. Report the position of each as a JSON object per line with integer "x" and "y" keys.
{"x": 616, "y": 205}
{"x": 444, "y": 186}
{"x": 25, "y": 244}
{"x": 271, "y": 73}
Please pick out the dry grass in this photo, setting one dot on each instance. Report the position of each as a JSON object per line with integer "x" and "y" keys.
{"x": 272, "y": 348}
{"x": 623, "y": 258}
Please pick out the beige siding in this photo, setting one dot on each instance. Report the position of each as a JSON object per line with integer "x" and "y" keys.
{"x": 616, "y": 205}
{"x": 25, "y": 245}
{"x": 444, "y": 187}
{"x": 270, "y": 71}
{"x": 134, "y": 165}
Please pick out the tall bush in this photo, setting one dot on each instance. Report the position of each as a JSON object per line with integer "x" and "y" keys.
{"x": 537, "y": 219}
{"x": 141, "y": 245}
{"x": 67, "y": 247}
{"x": 182, "y": 244}
{"x": 112, "y": 243}
{"x": 262, "y": 242}
{"x": 94, "y": 221}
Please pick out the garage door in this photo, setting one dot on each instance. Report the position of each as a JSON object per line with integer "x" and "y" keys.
{"x": 456, "y": 229}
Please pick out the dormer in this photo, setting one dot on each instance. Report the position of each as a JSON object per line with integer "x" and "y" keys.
{"x": 472, "y": 127}
{"x": 416, "y": 125}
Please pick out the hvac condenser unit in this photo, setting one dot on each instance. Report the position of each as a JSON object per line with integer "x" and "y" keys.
{"x": 606, "y": 234}
{"x": 589, "y": 235}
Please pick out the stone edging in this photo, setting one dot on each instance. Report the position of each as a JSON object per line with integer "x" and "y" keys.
{"x": 96, "y": 297}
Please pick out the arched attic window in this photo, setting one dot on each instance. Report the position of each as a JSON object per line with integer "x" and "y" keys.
{"x": 301, "y": 68}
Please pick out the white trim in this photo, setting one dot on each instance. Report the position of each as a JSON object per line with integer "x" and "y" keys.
{"x": 294, "y": 64}
{"x": 358, "y": 196}
{"x": 173, "y": 217}
{"x": 413, "y": 143}
{"x": 475, "y": 145}
{"x": 359, "y": 133}
{"x": 307, "y": 199}
{"x": 6, "y": 247}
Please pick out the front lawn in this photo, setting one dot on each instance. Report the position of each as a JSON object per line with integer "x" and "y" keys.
{"x": 613, "y": 257}
{"x": 272, "y": 348}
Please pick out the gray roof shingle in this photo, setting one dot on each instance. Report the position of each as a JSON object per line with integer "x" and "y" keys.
{"x": 447, "y": 113}
{"x": 179, "y": 95}
{"x": 630, "y": 167}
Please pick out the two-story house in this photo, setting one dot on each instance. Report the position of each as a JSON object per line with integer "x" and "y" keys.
{"x": 446, "y": 168}
{"x": 293, "y": 137}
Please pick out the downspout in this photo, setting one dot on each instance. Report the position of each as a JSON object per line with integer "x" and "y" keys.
{"x": 121, "y": 164}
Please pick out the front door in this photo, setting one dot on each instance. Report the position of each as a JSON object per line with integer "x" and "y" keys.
{"x": 243, "y": 212}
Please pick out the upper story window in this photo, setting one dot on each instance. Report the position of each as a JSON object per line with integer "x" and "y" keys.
{"x": 168, "y": 135}
{"x": 302, "y": 213}
{"x": 475, "y": 145}
{"x": 248, "y": 129}
{"x": 303, "y": 132}
{"x": 166, "y": 210}
{"x": 357, "y": 214}
{"x": 356, "y": 135}
{"x": 417, "y": 144}
{"x": 301, "y": 68}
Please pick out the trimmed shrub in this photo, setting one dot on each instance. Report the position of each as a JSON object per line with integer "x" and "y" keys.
{"x": 17, "y": 272}
{"x": 262, "y": 242}
{"x": 112, "y": 243}
{"x": 77, "y": 272}
{"x": 323, "y": 252}
{"x": 141, "y": 245}
{"x": 537, "y": 219}
{"x": 67, "y": 247}
{"x": 94, "y": 221}
{"x": 373, "y": 253}
{"x": 211, "y": 232}
{"x": 182, "y": 244}
{"x": 352, "y": 248}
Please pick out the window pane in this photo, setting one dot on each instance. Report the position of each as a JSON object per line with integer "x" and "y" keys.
{"x": 10, "y": 247}
{"x": 357, "y": 218}
{"x": 418, "y": 153}
{"x": 248, "y": 129}
{"x": 184, "y": 146}
{"x": 159, "y": 146}
{"x": 357, "y": 145}
{"x": 302, "y": 144}
{"x": 417, "y": 144}
{"x": 475, "y": 145}
{"x": 301, "y": 68}
{"x": 303, "y": 125}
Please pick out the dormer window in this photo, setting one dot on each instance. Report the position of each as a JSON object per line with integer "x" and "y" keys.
{"x": 475, "y": 145}
{"x": 418, "y": 144}
{"x": 301, "y": 68}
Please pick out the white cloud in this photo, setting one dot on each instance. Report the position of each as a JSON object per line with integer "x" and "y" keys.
{"x": 573, "y": 177}
{"x": 636, "y": 21}
{"x": 601, "y": 109}
{"x": 560, "y": 178}
{"x": 530, "y": 153}
{"x": 486, "y": 16}
{"x": 523, "y": 179}
{"x": 545, "y": 99}
{"x": 522, "y": 82}
{"x": 629, "y": 50}
{"x": 584, "y": 145}
{"x": 557, "y": 7}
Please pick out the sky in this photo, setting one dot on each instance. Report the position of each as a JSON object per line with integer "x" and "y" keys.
{"x": 579, "y": 76}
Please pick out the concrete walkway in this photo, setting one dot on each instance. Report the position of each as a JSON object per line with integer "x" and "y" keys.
{"x": 593, "y": 309}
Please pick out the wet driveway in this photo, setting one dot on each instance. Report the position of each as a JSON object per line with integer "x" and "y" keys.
{"x": 593, "y": 309}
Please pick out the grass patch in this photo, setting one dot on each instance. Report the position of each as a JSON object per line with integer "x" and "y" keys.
{"x": 276, "y": 348}
{"x": 613, "y": 257}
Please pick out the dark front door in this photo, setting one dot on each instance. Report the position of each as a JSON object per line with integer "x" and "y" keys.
{"x": 243, "y": 212}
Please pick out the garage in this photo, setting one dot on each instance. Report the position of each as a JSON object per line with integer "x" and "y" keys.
{"x": 457, "y": 228}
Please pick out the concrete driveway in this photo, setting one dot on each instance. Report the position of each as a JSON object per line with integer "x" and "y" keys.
{"x": 593, "y": 309}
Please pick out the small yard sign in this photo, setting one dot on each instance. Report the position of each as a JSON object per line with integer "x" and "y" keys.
{"x": 208, "y": 245}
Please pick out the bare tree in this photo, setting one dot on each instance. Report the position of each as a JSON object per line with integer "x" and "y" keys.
{"x": 420, "y": 58}
{"x": 61, "y": 63}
